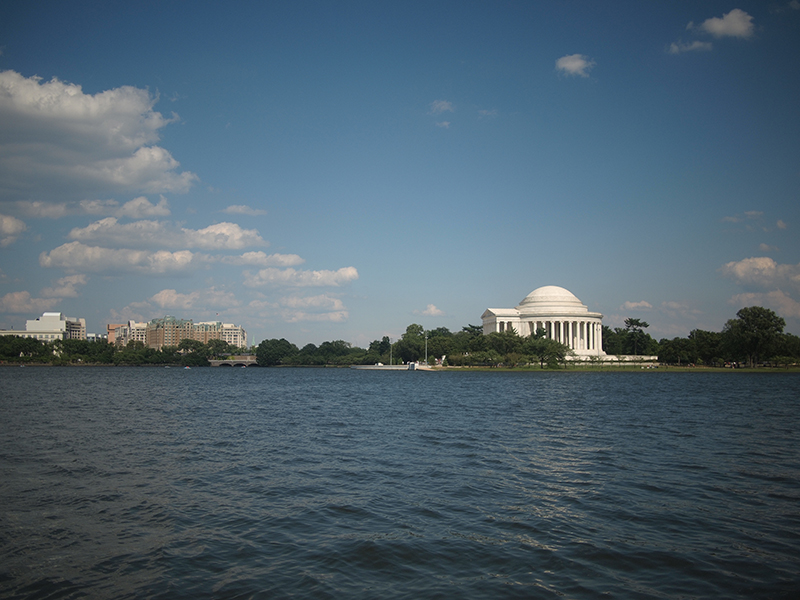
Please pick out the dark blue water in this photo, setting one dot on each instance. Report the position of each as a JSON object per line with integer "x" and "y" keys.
{"x": 333, "y": 483}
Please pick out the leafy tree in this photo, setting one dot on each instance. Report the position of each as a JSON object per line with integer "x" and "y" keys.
{"x": 217, "y": 349}
{"x": 635, "y": 328}
{"x": 613, "y": 340}
{"x": 706, "y": 346}
{"x": 676, "y": 351}
{"x": 546, "y": 351}
{"x": 411, "y": 345}
{"x": 272, "y": 352}
{"x": 754, "y": 333}
{"x": 505, "y": 342}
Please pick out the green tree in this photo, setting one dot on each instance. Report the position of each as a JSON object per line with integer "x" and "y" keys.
{"x": 411, "y": 345}
{"x": 678, "y": 351}
{"x": 635, "y": 328}
{"x": 217, "y": 349}
{"x": 272, "y": 352}
{"x": 706, "y": 346}
{"x": 546, "y": 351}
{"x": 755, "y": 333}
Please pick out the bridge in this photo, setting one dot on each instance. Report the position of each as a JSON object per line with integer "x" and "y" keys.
{"x": 235, "y": 361}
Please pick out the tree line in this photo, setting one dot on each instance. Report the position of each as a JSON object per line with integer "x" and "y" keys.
{"x": 753, "y": 338}
{"x": 468, "y": 347}
{"x": 70, "y": 352}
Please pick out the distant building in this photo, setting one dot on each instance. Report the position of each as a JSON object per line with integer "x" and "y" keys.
{"x": 169, "y": 331}
{"x": 51, "y": 326}
{"x": 556, "y": 311}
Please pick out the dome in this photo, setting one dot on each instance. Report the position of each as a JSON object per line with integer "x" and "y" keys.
{"x": 551, "y": 299}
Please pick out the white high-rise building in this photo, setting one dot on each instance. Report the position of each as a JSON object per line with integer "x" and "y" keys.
{"x": 55, "y": 326}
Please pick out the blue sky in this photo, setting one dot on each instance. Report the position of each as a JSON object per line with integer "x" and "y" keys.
{"x": 339, "y": 170}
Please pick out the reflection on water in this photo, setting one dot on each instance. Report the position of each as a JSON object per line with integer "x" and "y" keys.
{"x": 271, "y": 483}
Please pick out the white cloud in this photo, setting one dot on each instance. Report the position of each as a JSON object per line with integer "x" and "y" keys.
{"x": 262, "y": 259}
{"x": 21, "y": 302}
{"x": 736, "y": 23}
{"x": 198, "y": 299}
{"x": 65, "y": 287}
{"x": 680, "y": 47}
{"x": 221, "y": 236}
{"x": 780, "y": 224}
{"x": 46, "y": 210}
{"x": 296, "y": 309}
{"x": 488, "y": 113}
{"x": 75, "y": 256}
{"x": 443, "y": 124}
{"x": 640, "y": 305}
{"x": 762, "y": 272}
{"x": 138, "y": 208}
{"x": 322, "y": 301}
{"x": 313, "y": 308}
{"x": 575, "y": 64}
{"x": 141, "y": 207}
{"x": 780, "y": 302}
{"x": 440, "y": 106}
{"x": 299, "y": 316}
{"x": 767, "y": 248}
{"x": 242, "y": 209}
{"x": 57, "y": 141}
{"x": 10, "y": 229}
{"x": 430, "y": 311}
{"x": 292, "y": 277}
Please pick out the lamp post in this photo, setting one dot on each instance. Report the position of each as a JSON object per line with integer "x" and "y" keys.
{"x": 426, "y": 347}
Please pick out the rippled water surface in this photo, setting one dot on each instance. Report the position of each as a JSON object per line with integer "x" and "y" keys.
{"x": 334, "y": 483}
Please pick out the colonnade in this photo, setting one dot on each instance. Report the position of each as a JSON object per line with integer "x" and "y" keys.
{"x": 578, "y": 335}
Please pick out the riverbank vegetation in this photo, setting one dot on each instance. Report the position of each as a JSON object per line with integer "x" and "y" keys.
{"x": 15, "y": 349}
{"x": 755, "y": 338}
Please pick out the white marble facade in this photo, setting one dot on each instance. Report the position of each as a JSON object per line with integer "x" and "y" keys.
{"x": 558, "y": 312}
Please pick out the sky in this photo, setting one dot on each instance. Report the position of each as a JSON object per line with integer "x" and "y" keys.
{"x": 334, "y": 170}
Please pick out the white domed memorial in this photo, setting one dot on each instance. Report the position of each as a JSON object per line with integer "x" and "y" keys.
{"x": 558, "y": 312}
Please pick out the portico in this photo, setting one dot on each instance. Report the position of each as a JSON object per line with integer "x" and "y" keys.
{"x": 558, "y": 313}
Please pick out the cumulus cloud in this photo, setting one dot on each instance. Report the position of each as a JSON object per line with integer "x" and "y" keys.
{"x": 21, "y": 303}
{"x": 204, "y": 299}
{"x": 313, "y": 308}
{"x": 75, "y": 256}
{"x": 10, "y": 229}
{"x": 762, "y": 272}
{"x": 430, "y": 311}
{"x": 640, "y": 305}
{"x": 780, "y": 302}
{"x": 138, "y": 208}
{"x": 292, "y": 277}
{"x": 242, "y": 209}
{"x": 145, "y": 233}
{"x": 575, "y": 64}
{"x": 767, "y": 248}
{"x": 736, "y": 23}
{"x": 262, "y": 259}
{"x": 440, "y": 106}
{"x": 322, "y": 301}
{"x": 296, "y": 309}
{"x": 141, "y": 208}
{"x": 65, "y": 287}
{"x": 680, "y": 47}
{"x": 57, "y": 141}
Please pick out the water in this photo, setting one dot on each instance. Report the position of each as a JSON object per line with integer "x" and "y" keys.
{"x": 333, "y": 483}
